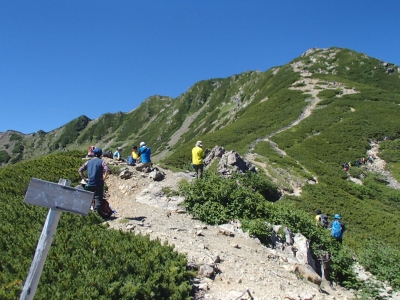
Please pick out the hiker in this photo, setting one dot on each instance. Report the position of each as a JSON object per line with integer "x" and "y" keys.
{"x": 90, "y": 151}
{"x": 321, "y": 219}
{"x": 370, "y": 160}
{"x": 81, "y": 185}
{"x": 98, "y": 171}
{"x": 134, "y": 157}
{"x": 197, "y": 159}
{"x": 117, "y": 154}
{"x": 337, "y": 228}
{"x": 345, "y": 166}
{"x": 144, "y": 154}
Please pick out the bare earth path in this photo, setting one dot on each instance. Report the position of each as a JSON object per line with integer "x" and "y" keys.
{"x": 244, "y": 263}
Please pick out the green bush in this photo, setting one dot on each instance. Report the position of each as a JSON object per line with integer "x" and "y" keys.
{"x": 238, "y": 197}
{"x": 382, "y": 260}
{"x": 4, "y": 157}
{"x": 18, "y": 148}
{"x": 15, "y": 137}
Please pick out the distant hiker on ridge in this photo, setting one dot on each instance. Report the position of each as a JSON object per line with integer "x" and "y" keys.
{"x": 197, "y": 159}
{"x": 144, "y": 153}
{"x": 337, "y": 228}
{"x": 98, "y": 171}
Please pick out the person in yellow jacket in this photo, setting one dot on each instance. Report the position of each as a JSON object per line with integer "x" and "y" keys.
{"x": 135, "y": 154}
{"x": 197, "y": 159}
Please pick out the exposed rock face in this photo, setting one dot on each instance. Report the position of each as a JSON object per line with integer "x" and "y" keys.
{"x": 308, "y": 273}
{"x": 215, "y": 152}
{"x": 303, "y": 253}
{"x": 231, "y": 162}
{"x": 156, "y": 175}
{"x": 125, "y": 174}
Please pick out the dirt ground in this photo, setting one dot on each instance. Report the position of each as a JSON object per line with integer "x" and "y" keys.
{"x": 245, "y": 268}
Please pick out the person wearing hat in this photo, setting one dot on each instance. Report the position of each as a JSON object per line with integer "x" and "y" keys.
{"x": 197, "y": 159}
{"x": 321, "y": 219}
{"x": 145, "y": 156}
{"x": 98, "y": 171}
{"x": 117, "y": 154}
{"x": 337, "y": 228}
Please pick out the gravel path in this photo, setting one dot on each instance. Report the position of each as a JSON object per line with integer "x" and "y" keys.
{"x": 246, "y": 267}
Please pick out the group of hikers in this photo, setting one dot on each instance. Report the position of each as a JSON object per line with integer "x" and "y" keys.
{"x": 140, "y": 158}
{"x": 362, "y": 161}
{"x": 336, "y": 226}
{"x": 98, "y": 171}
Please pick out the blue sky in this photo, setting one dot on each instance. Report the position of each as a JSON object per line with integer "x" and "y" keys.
{"x": 63, "y": 59}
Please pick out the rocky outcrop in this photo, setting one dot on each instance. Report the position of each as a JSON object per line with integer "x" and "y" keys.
{"x": 307, "y": 272}
{"x": 303, "y": 252}
{"x": 156, "y": 175}
{"x": 215, "y": 152}
{"x": 231, "y": 162}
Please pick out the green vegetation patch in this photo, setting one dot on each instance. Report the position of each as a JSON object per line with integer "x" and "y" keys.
{"x": 71, "y": 132}
{"x": 4, "y": 157}
{"x": 86, "y": 260}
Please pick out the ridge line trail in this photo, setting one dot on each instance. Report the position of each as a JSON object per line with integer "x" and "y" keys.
{"x": 310, "y": 89}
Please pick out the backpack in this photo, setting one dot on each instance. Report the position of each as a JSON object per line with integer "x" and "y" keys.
{"x": 324, "y": 220}
{"x": 108, "y": 154}
{"x": 336, "y": 230}
{"x": 106, "y": 210}
{"x": 130, "y": 161}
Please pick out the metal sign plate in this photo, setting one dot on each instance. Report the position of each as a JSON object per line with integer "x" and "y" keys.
{"x": 56, "y": 196}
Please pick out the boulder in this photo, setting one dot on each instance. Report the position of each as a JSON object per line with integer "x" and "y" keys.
{"x": 156, "y": 175}
{"x": 231, "y": 162}
{"x": 206, "y": 271}
{"x": 308, "y": 273}
{"x": 214, "y": 153}
{"x": 303, "y": 253}
{"x": 125, "y": 174}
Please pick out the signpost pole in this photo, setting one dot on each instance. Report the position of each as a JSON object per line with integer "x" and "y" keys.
{"x": 42, "y": 249}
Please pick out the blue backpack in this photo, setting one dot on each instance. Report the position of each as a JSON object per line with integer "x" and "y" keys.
{"x": 336, "y": 230}
{"x": 130, "y": 161}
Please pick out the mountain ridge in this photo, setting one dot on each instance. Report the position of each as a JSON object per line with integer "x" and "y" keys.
{"x": 298, "y": 123}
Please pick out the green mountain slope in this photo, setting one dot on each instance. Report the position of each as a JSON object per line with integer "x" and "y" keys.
{"x": 298, "y": 123}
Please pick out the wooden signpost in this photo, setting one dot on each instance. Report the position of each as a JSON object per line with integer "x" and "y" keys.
{"x": 58, "y": 197}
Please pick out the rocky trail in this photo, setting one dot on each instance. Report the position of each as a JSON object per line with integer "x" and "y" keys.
{"x": 231, "y": 264}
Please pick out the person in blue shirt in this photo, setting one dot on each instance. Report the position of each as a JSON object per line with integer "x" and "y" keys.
{"x": 117, "y": 154}
{"x": 337, "y": 228}
{"x": 144, "y": 154}
{"x": 98, "y": 171}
